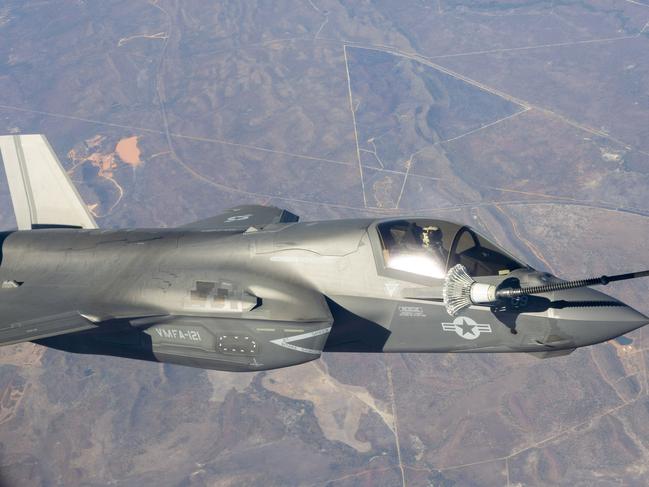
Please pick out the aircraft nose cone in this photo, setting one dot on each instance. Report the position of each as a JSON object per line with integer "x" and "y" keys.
{"x": 592, "y": 316}
{"x": 625, "y": 318}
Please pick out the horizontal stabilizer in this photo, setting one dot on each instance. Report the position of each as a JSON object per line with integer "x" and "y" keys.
{"x": 243, "y": 217}
{"x": 46, "y": 326}
{"x": 41, "y": 191}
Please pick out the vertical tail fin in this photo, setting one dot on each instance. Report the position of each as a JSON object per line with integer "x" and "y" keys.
{"x": 41, "y": 191}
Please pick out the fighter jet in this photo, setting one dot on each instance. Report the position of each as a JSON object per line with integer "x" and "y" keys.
{"x": 253, "y": 288}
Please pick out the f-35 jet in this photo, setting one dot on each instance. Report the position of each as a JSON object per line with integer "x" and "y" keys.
{"x": 254, "y": 288}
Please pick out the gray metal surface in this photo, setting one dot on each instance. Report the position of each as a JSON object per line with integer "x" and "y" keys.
{"x": 255, "y": 289}
{"x": 244, "y": 217}
{"x": 41, "y": 191}
{"x": 43, "y": 327}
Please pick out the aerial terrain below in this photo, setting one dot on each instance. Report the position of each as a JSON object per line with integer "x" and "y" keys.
{"x": 528, "y": 120}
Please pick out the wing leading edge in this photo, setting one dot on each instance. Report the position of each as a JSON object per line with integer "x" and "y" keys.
{"x": 41, "y": 191}
{"x": 44, "y": 327}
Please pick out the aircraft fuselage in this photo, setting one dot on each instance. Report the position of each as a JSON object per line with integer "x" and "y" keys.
{"x": 271, "y": 298}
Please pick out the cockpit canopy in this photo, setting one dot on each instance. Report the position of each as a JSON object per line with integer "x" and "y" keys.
{"x": 431, "y": 247}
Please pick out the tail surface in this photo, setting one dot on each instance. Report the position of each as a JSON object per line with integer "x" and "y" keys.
{"x": 41, "y": 191}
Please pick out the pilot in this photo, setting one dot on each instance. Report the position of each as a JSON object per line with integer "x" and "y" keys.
{"x": 414, "y": 238}
{"x": 432, "y": 241}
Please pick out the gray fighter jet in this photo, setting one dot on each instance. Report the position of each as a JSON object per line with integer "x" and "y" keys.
{"x": 254, "y": 289}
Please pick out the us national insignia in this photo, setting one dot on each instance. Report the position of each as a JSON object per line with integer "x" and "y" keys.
{"x": 466, "y": 328}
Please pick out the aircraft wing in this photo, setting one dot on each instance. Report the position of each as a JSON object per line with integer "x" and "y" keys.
{"x": 243, "y": 217}
{"x": 41, "y": 191}
{"x": 44, "y": 327}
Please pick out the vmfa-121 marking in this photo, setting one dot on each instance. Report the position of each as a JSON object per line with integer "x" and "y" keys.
{"x": 255, "y": 289}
